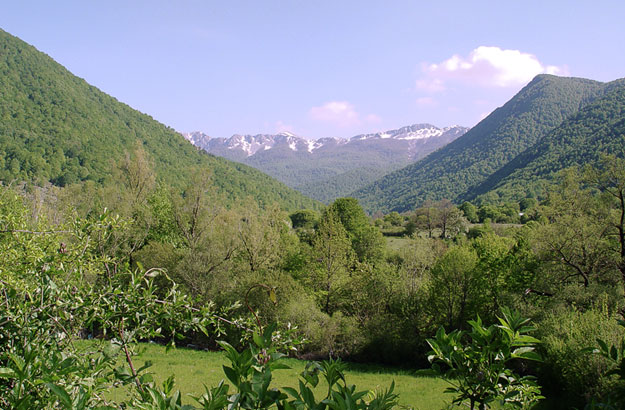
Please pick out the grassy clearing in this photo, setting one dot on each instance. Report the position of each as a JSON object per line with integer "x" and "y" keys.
{"x": 193, "y": 369}
{"x": 396, "y": 242}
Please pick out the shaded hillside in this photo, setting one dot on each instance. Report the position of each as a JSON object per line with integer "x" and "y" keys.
{"x": 55, "y": 127}
{"x": 596, "y": 129}
{"x": 342, "y": 184}
{"x": 468, "y": 161}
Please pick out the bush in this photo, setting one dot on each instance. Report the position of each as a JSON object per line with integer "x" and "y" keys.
{"x": 326, "y": 336}
{"x": 568, "y": 371}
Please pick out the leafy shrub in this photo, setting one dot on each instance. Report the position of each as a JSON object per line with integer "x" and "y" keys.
{"x": 477, "y": 363}
{"x": 327, "y": 336}
{"x": 568, "y": 371}
{"x": 616, "y": 355}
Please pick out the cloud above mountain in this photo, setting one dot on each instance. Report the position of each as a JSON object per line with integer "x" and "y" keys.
{"x": 485, "y": 67}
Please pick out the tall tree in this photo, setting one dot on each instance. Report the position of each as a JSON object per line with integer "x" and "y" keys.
{"x": 260, "y": 233}
{"x": 610, "y": 180}
{"x": 426, "y": 217}
{"x": 574, "y": 241}
{"x": 450, "y": 218}
{"x": 367, "y": 241}
{"x": 332, "y": 255}
{"x": 454, "y": 286}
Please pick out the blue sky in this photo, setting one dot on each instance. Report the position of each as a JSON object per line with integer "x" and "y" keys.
{"x": 321, "y": 68}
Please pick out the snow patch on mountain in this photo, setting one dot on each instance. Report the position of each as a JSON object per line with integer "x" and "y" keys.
{"x": 412, "y": 132}
{"x": 249, "y": 145}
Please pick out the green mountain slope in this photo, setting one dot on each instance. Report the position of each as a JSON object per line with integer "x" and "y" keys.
{"x": 468, "y": 161}
{"x": 55, "y": 127}
{"x": 342, "y": 184}
{"x": 598, "y": 128}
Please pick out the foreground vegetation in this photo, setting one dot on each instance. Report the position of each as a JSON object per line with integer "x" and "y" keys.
{"x": 179, "y": 267}
{"x": 195, "y": 368}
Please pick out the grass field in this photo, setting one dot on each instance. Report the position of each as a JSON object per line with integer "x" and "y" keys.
{"x": 396, "y": 242}
{"x": 193, "y": 369}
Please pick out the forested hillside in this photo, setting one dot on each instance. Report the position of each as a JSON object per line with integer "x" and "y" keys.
{"x": 341, "y": 184}
{"x": 597, "y": 129}
{"x": 450, "y": 172}
{"x": 55, "y": 127}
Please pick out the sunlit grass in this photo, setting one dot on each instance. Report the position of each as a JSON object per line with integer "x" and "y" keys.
{"x": 397, "y": 242}
{"x": 193, "y": 369}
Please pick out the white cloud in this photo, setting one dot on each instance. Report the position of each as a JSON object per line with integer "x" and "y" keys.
{"x": 487, "y": 67}
{"x": 341, "y": 113}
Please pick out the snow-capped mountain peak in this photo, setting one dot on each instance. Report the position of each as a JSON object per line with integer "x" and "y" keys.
{"x": 411, "y": 132}
{"x": 249, "y": 145}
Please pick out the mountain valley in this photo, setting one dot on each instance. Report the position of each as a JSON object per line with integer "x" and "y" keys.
{"x": 328, "y": 168}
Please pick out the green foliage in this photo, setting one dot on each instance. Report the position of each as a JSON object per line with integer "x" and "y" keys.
{"x": 480, "y": 230}
{"x": 568, "y": 371}
{"x": 367, "y": 241}
{"x": 470, "y": 211}
{"x": 441, "y": 215}
{"x": 477, "y": 363}
{"x": 344, "y": 183}
{"x": 454, "y": 286}
{"x": 41, "y": 368}
{"x": 615, "y": 353}
{"x": 305, "y": 218}
{"x": 44, "y": 309}
{"x": 333, "y": 256}
{"x": 250, "y": 372}
{"x": 394, "y": 219}
{"x": 576, "y": 242}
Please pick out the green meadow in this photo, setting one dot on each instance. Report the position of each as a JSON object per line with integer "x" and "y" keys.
{"x": 195, "y": 369}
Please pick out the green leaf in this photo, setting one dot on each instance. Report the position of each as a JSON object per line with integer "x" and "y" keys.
{"x": 258, "y": 340}
{"x": 61, "y": 394}
{"x": 603, "y": 346}
{"x": 614, "y": 353}
{"x": 7, "y": 373}
{"x": 291, "y": 391}
{"x": 231, "y": 375}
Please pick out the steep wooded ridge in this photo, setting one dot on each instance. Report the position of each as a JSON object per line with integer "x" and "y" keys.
{"x": 56, "y": 127}
{"x": 328, "y": 168}
{"x": 461, "y": 166}
{"x": 596, "y": 129}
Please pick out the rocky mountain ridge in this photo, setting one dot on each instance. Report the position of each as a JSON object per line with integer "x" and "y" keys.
{"x": 328, "y": 168}
{"x": 251, "y": 144}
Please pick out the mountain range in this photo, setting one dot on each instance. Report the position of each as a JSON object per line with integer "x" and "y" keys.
{"x": 328, "y": 168}
{"x": 56, "y": 128}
